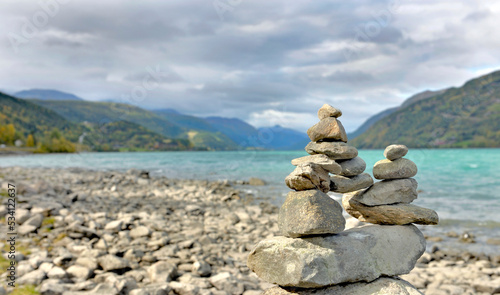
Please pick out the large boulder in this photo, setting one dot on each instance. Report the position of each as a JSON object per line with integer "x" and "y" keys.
{"x": 359, "y": 254}
{"x": 399, "y": 214}
{"x": 381, "y": 286}
{"x": 334, "y": 150}
{"x": 310, "y": 212}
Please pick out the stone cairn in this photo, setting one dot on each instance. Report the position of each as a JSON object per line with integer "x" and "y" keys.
{"x": 315, "y": 255}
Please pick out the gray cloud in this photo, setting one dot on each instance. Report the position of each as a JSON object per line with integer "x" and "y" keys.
{"x": 265, "y": 62}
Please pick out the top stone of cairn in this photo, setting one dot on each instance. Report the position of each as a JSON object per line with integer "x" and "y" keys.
{"x": 328, "y": 111}
{"x": 395, "y": 151}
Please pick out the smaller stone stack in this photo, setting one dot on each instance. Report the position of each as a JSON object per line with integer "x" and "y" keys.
{"x": 388, "y": 201}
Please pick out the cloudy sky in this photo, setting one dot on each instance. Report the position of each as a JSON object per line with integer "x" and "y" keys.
{"x": 267, "y": 62}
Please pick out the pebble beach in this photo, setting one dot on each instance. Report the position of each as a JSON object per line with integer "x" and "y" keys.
{"x": 111, "y": 232}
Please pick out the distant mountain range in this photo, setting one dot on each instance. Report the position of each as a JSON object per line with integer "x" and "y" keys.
{"x": 46, "y": 94}
{"x": 467, "y": 116}
{"x": 105, "y": 126}
{"x": 377, "y": 117}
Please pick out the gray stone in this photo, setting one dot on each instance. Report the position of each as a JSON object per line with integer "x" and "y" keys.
{"x": 139, "y": 232}
{"x": 334, "y": 150}
{"x": 26, "y": 229}
{"x": 162, "y": 272}
{"x": 308, "y": 176}
{"x": 329, "y": 129}
{"x": 33, "y": 278}
{"x": 352, "y": 167}
{"x": 381, "y": 286}
{"x": 52, "y": 287}
{"x": 358, "y": 254}
{"x": 308, "y": 213}
{"x": 256, "y": 181}
{"x": 400, "y": 168}
{"x": 389, "y": 192}
{"x": 342, "y": 184}
{"x": 321, "y": 160}
{"x": 56, "y": 273}
{"x": 328, "y": 111}
{"x": 35, "y": 220}
{"x": 113, "y": 263}
{"x": 78, "y": 271}
{"x": 201, "y": 268}
{"x": 225, "y": 281}
{"x": 22, "y": 215}
{"x": 389, "y": 214}
{"x": 395, "y": 151}
{"x": 184, "y": 289}
{"x": 114, "y": 226}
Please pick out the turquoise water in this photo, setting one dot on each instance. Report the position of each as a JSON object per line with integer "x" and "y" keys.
{"x": 460, "y": 184}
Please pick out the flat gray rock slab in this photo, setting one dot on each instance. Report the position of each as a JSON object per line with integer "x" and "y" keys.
{"x": 399, "y": 213}
{"x": 389, "y": 192}
{"x": 322, "y": 160}
{"x": 334, "y": 150}
{"x": 400, "y": 168}
{"x": 343, "y": 184}
{"x": 358, "y": 254}
{"x": 381, "y": 286}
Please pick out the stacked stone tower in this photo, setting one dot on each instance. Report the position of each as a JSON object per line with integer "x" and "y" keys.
{"x": 315, "y": 254}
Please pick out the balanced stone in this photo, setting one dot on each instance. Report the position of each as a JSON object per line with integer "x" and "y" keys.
{"x": 352, "y": 167}
{"x": 310, "y": 212}
{"x": 358, "y": 254}
{"x": 342, "y": 184}
{"x": 334, "y": 150}
{"x": 383, "y": 285}
{"x": 321, "y": 160}
{"x": 329, "y": 129}
{"x": 388, "y": 192}
{"x": 308, "y": 176}
{"x": 399, "y": 214}
{"x": 395, "y": 151}
{"x": 400, "y": 168}
{"x": 328, "y": 111}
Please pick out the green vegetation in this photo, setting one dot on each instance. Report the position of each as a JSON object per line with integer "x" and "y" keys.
{"x": 102, "y": 113}
{"x": 463, "y": 117}
{"x": 128, "y": 136}
{"x": 25, "y": 290}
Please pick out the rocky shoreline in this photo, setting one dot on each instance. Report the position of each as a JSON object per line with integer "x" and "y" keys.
{"x": 110, "y": 232}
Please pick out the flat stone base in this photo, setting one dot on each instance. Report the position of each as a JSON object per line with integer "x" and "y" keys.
{"x": 355, "y": 255}
{"x": 381, "y": 286}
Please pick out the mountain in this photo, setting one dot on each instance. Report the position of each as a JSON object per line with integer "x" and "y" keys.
{"x": 106, "y": 112}
{"x": 239, "y": 131}
{"x": 375, "y": 118}
{"x": 46, "y": 94}
{"x": 128, "y": 136}
{"x": 279, "y": 138}
{"x": 467, "y": 116}
{"x": 29, "y": 118}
